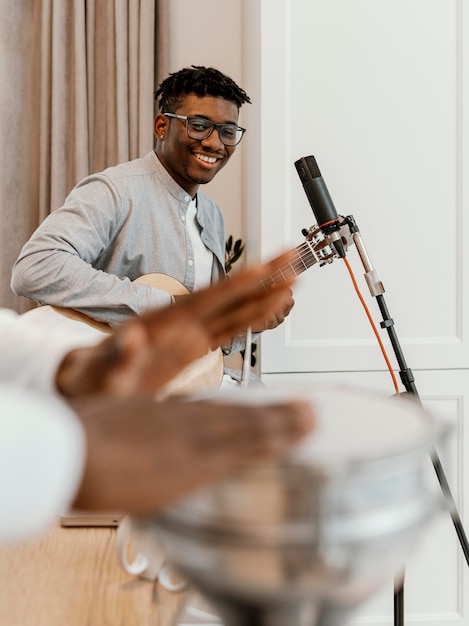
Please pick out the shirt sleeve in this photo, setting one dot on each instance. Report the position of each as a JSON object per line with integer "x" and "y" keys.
{"x": 57, "y": 265}
{"x": 42, "y": 455}
{"x": 35, "y": 343}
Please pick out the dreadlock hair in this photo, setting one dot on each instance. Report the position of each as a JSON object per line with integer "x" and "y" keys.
{"x": 200, "y": 80}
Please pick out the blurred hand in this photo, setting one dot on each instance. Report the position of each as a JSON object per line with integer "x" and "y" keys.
{"x": 148, "y": 352}
{"x": 143, "y": 455}
{"x": 277, "y": 317}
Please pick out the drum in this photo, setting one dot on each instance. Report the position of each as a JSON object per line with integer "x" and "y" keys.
{"x": 307, "y": 538}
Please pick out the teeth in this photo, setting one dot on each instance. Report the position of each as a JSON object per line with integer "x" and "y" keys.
{"x": 207, "y": 159}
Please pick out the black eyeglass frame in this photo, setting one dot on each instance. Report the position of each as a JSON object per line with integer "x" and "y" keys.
{"x": 190, "y": 118}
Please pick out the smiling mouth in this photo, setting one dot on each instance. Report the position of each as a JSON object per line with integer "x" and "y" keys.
{"x": 205, "y": 159}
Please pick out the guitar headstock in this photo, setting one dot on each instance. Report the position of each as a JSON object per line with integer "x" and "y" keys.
{"x": 321, "y": 245}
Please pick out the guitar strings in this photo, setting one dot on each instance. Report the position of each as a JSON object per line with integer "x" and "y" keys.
{"x": 305, "y": 258}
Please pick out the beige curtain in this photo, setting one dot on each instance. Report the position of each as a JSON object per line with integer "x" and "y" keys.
{"x": 91, "y": 67}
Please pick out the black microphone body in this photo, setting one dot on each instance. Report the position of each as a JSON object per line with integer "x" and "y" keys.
{"x": 320, "y": 200}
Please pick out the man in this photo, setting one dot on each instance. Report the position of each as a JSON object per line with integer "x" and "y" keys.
{"x": 113, "y": 447}
{"x": 146, "y": 216}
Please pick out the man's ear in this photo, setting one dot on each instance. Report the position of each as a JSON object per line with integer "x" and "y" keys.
{"x": 161, "y": 122}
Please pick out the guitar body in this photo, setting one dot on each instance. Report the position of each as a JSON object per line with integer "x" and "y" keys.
{"x": 204, "y": 374}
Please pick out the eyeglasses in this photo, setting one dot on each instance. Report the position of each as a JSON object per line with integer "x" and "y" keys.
{"x": 200, "y": 128}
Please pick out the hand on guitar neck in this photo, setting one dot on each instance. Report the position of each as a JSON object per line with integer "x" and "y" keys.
{"x": 274, "y": 319}
{"x": 144, "y": 355}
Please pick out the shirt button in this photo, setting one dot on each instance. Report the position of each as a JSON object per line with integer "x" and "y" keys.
{"x": 183, "y": 218}
{"x": 187, "y": 198}
{"x": 190, "y": 262}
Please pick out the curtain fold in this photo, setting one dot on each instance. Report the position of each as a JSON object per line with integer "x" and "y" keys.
{"x": 97, "y": 72}
{"x": 93, "y": 68}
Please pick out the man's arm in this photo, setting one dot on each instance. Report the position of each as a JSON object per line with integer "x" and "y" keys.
{"x": 143, "y": 456}
{"x": 56, "y": 266}
{"x": 140, "y": 455}
{"x": 128, "y": 454}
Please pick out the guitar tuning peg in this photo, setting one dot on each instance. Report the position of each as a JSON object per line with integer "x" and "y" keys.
{"x": 304, "y": 232}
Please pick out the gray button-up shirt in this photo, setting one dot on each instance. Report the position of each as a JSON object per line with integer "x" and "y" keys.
{"x": 114, "y": 227}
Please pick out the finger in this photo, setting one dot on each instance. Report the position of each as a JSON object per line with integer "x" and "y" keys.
{"x": 240, "y": 299}
{"x": 226, "y": 298}
{"x": 252, "y": 429}
{"x": 249, "y": 283}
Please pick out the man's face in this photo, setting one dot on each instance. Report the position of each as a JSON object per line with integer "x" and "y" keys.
{"x": 193, "y": 162}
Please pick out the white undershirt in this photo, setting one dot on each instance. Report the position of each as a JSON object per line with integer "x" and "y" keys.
{"x": 203, "y": 258}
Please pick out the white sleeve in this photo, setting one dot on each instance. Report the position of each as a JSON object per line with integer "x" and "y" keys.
{"x": 34, "y": 344}
{"x": 42, "y": 454}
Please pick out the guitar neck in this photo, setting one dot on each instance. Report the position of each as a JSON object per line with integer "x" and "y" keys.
{"x": 303, "y": 259}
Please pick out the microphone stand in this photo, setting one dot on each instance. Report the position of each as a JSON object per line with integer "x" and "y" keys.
{"x": 376, "y": 289}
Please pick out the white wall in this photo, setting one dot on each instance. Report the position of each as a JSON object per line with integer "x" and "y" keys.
{"x": 378, "y": 93}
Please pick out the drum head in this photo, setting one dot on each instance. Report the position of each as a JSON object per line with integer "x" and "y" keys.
{"x": 351, "y": 423}
{"x": 354, "y": 425}
{"x": 367, "y": 451}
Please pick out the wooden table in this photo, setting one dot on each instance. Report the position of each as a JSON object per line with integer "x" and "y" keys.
{"x": 70, "y": 577}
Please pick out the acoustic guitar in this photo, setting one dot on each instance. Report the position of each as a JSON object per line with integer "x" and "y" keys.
{"x": 206, "y": 373}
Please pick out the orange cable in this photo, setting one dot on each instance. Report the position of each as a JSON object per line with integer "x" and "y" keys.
{"x": 375, "y": 330}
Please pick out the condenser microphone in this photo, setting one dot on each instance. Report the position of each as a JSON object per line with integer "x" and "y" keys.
{"x": 320, "y": 200}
